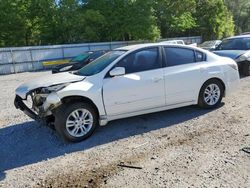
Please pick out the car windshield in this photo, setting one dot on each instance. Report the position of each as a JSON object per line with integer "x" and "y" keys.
{"x": 235, "y": 44}
{"x": 81, "y": 57}
{"x": 96, "y": 54}
{"x": 100, "y": 64}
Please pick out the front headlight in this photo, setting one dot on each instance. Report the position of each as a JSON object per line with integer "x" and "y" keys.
{"x": 244, "y": 57}
{"x": 66, "y": 68}
{"x": 54, "y": 88}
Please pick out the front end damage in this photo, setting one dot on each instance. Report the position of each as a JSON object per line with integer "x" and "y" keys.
{"x": 38, "y": 103}
{"x": 39, "y": 97}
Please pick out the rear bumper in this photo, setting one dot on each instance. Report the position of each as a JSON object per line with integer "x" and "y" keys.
{"x": 232, "y": 82}
{"x": 19, "y": 104}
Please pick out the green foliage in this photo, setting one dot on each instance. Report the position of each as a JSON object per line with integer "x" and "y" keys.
{"x": 126, "y": 20}
{"x": 42, "y": 22}
{"x": 241, "y": 13}
{"x": 94, "y": 25}
{"x": 174, "y": 17}
{"x": 213, "y": 19}
{"x": 12, "y": 26}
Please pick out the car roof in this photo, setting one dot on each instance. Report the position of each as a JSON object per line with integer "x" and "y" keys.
{"x": 212, "y": 41}
{"x": 139, "y": 46}
{"x": 136, "y": 46}
{"x": 239, "y": 36}
{"x": 245, "y": 33}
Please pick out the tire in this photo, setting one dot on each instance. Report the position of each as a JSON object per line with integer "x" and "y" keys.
{"x": 70, "y": 123}
{"x": 50, "y": 122}
{"x": 211, "y": 94}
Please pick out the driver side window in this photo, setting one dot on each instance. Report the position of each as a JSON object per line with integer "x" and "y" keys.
{"x": 139, "y": 61}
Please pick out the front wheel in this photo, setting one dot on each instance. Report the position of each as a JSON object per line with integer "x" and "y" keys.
{"x": 211, "y": 94}
{"x": 75, "y": 122}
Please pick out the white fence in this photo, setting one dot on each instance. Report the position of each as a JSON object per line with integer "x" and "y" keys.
{"x": 21, "y": 59}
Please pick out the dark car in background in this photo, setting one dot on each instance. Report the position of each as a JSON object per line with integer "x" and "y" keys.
{"x": 78, "y": 61}
{"x": 237, "y": 48}
{"x": 210, "y": 45}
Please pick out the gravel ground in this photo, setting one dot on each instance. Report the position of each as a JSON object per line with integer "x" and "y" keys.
{"x": 185, "y": 147}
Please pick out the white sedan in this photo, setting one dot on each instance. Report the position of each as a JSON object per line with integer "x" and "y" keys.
{"x": 126, "y": 82}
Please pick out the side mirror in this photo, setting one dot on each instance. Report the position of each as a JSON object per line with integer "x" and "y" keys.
{"x": 117, "y": 71}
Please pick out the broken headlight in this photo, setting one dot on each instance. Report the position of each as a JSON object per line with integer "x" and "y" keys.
{"x": 54, "y": 88}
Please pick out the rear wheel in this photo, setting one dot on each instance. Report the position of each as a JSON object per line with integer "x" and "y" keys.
{"x": 211, "y": 94}
{"x": 75, "y": 121}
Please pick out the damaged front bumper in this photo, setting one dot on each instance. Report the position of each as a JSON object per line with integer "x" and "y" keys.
{"x": 19, "y": 104}
{"x": 40, "y": 111}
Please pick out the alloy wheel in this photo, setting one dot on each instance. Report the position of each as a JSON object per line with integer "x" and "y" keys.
{"x": 79, "y": 122}
{"x": 212, "y": 94}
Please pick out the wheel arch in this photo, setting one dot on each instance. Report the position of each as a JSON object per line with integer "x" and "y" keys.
{"x": 214, "y": 78}
{"x": 77, "y": 98}
{"x": 200, "y": 100}
{"x": 220, "y": 80}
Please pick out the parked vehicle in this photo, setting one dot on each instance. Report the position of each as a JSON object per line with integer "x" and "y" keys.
{"x": 181, "y": 42}
{"x": 245, "y": 33}
{"x": 51, "y": 63}
{"x": 79, "y": 61}
{"x": 237, "y": 48}
{"x": 126, "y": 82}
{"x": 210, "y": 45}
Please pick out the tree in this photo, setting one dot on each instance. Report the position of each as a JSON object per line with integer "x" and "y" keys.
{"x": 213, "y": 19}
{"x": 36, "y": 22}
{"x": 174, "y": 17}
{"x": 12, "y": 25}
{"x": 94, "y": 26}
{"x": 24, "y": 21}
{"x": 241, "y": 12}
{"x": 126, "y": 19}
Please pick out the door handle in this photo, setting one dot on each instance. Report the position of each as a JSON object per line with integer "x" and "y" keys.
{"x": 156, "y": 79}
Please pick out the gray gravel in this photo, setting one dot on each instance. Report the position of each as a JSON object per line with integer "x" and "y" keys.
{"x": 186, "y": 147}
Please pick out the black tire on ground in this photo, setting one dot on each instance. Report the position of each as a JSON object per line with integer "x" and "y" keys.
{"x": 61, "y": 115}
{"x": 246, "y": 69}
{"x": 50, "y": 122}
{"x": 201, "y": 101}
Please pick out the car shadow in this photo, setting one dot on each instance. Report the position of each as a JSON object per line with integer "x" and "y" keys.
{"x": 29, "y": 143}
{"x": 2, "y": 176}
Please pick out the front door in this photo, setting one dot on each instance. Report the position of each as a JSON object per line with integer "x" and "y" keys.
{"x": 141, "y": 88}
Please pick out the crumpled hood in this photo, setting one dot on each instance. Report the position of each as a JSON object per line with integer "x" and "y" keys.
{"x": 46, "y": 81}
{"x": 233, "y": 54}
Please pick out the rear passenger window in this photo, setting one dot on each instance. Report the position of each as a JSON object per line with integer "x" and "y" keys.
{"x": 200, "y": 56}
{"x": 179, "y": 56}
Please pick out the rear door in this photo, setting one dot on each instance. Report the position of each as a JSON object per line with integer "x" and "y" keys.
{"x": 183, "y": 74}
{"x": 141, "y": 88}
